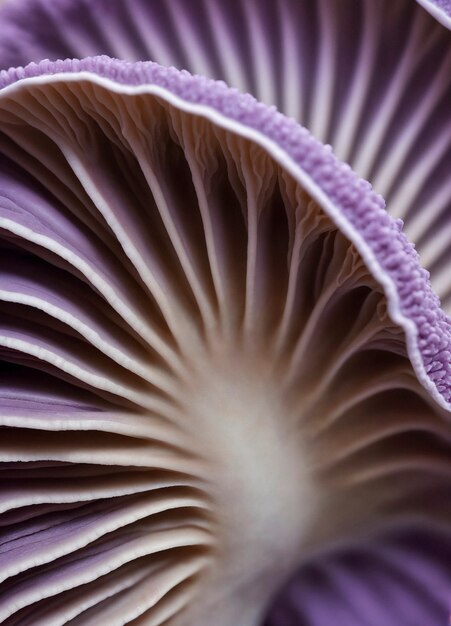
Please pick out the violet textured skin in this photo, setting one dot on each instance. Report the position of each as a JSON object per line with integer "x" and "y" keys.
{"x": 444, "y": 5}
{"x": 352, "y": 197}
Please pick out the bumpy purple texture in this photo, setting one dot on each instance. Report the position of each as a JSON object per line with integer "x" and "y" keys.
{"x": 352, "y": 196}
{"x": 444, "y": 5}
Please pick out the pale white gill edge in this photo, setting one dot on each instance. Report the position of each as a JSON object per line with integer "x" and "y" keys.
{"x": 283, "y": 159}
{"x": 436, "y": 12}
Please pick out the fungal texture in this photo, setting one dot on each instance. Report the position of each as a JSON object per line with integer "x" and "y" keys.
{"x": 372, "y": 78}
{"x": 202, "y": 387}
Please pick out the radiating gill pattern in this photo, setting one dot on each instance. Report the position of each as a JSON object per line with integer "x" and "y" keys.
{"x": 408, "y": 568}
{"x": 189, "y": 348}
{"x": 371, "y": 78}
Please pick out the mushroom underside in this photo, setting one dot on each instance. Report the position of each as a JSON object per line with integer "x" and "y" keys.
{"x": 201, "y": 386}
{"x": 372, "y": 78}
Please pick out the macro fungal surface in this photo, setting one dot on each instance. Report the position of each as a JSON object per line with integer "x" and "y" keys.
{"x": 371, "y": 78}
{"x": 222, "y": 365}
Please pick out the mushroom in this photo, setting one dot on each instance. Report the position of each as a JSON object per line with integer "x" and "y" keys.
{"x": 221, "y": 361}
{"x": 371, "y": 77}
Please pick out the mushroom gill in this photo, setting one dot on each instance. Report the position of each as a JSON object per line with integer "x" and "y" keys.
{"x": 372, "y": 78}
{"x": 220, "y": 357}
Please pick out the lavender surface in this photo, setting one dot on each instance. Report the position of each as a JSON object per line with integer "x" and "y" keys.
{"x": 95, "y": 395}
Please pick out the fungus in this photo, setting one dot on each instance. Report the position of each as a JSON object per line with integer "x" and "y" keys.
{"x": 372, "y": 78}
{"x": 221, "y": 361}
